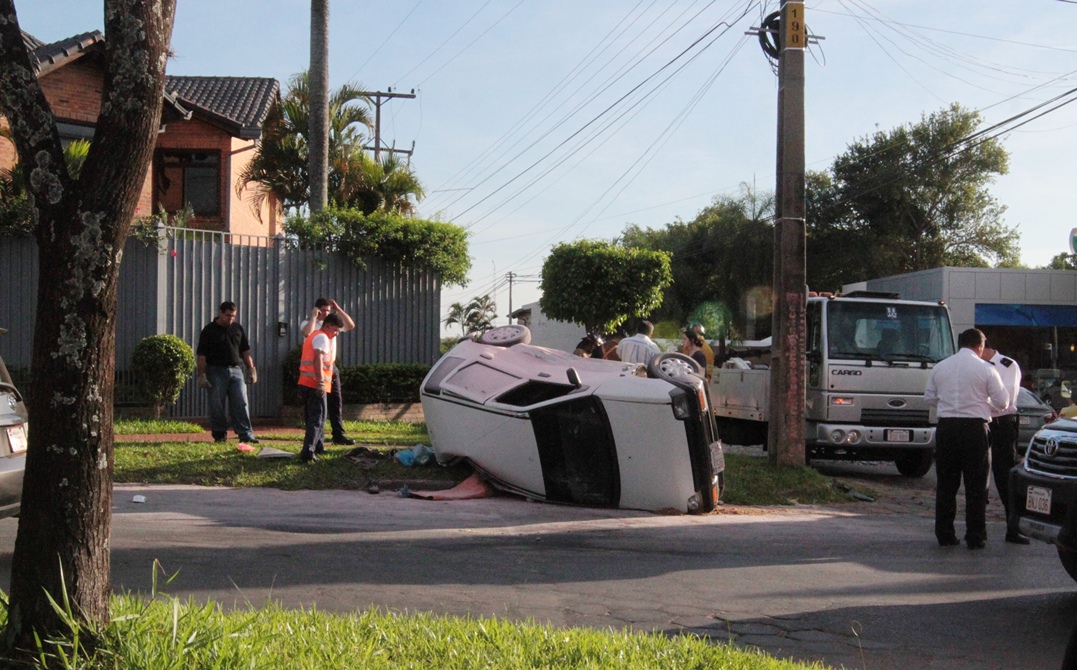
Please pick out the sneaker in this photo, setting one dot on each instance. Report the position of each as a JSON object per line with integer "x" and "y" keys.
{"x": 343, "y": 440}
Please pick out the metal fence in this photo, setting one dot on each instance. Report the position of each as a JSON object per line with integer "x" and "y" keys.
{"x": 176, "y": 286}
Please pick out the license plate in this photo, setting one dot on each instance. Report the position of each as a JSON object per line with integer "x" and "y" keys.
{"x": 899, "y": 436}
{"x": 717, "y": 457}
{"x": 16, "y": 437}
{"x": 1024, "y": 420}
{"x": 1038, "y": 499}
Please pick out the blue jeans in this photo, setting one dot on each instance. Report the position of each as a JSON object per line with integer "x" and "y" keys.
{"x": 314, "y": 411}
{"x": 228, "y": 387}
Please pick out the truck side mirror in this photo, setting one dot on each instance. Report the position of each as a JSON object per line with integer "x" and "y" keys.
{"x": 1064, "y": 391}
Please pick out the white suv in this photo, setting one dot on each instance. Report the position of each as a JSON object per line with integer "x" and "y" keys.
{"x": 556, "y": 427}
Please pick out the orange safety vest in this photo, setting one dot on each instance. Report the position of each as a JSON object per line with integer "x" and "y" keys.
{"x": 306, "y": 366}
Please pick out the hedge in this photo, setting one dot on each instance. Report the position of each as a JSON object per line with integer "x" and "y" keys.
{"x": 363, "y": 384}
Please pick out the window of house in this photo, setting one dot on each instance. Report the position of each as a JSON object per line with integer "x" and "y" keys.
{"x": 190, "y": 178}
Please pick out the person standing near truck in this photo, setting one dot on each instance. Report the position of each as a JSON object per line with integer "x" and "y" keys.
{"x": 1003, "y": 435}
{"x": 639, "y": 348}
{"x": 335, "y": 400}
{"x": 966, "y": 390}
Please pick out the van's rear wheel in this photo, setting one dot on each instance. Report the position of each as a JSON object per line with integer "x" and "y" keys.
{"x": 915, "y": 462}
{"x": 1069, "y": 561}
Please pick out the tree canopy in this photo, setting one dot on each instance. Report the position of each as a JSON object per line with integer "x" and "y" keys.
{"x": 723, "y": 259}
{"x": 910, "y": 199}
{"x": 415, "y": 243}
{"x": 600, "y": 285}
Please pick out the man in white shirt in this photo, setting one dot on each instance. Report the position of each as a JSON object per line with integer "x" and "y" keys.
{"x": 1003, "y": 434}
{"x": 966, "y": 390}
{"x": 335, "y": 400}
{"x": 639, "y": 348}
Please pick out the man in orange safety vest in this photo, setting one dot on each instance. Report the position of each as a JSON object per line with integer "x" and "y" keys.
{"x": 315, "y": 381}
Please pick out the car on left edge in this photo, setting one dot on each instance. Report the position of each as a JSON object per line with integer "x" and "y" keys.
{"x": 13, "y": 439}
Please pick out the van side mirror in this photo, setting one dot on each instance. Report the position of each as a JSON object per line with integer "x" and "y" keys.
{"x": 574, "y": 378}
{"x": 1065, "y": 391}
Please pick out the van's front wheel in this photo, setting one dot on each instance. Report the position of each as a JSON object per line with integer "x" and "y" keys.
{"x": 915, "y": 462}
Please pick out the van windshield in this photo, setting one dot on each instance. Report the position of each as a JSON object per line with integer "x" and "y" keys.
{"x": 888, "y": 331}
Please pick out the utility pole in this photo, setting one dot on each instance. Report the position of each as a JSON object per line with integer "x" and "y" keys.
{"x": 788, "y": 343}
{"x": 378, "y": 96}
{"x": 511, "y": 275}
{"x": 318, "y": 131}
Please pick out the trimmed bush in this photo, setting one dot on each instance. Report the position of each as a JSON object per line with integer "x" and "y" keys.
{"x": 363, "y": 384}
{"x": 162, "y": 365}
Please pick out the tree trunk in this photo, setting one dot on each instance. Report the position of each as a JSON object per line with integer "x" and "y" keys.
{"x": 63, "y": 537}
{"x": 318, "y": 134}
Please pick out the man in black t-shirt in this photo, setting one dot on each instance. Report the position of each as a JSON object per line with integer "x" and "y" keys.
{"x": 223, "y": 351}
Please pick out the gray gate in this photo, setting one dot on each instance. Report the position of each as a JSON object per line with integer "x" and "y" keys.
{"x": 177, "y": 288}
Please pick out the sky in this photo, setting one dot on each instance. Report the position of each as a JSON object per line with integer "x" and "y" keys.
{"x": 548, "y": 121}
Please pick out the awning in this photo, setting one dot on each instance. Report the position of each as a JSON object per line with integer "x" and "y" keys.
{"x": 1039, "y": 316}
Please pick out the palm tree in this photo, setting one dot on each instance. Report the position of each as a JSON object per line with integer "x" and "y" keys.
{"x": 480, "y": 314}
{"x": 319, "y": 105}
{"x": 458, "y": 316}
{"x": 388, "y": 184}
{"x": 280, "y": 168}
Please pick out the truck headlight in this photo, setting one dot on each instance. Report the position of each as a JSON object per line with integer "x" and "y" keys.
{"x": 841, "y": 400}
{"x": 837, "y": 436}
{"x": 853, "y": 436}
{"x": 681, "y": 409}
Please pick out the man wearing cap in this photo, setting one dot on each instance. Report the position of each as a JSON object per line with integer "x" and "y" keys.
{"x": 1004, "y": 434}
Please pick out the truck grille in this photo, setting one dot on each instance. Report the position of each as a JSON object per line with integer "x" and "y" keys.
{"x": 895, "y": 417}
{"x": 1062, "y": 462}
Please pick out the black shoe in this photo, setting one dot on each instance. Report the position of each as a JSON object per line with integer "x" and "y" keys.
{"x": 976, "y": 544}
{"x": 343, "y": 440}
{"x": 949, "y": 542}
{"x": 307, "y": 457}
{"x": 319, "y": 450}
{"x": 251, "y": 440}
{"x": 220, "y": 439}
{"x": 1017, "y": 538}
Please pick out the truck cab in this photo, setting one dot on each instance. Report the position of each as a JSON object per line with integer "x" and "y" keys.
{"x": 867, "y": 359}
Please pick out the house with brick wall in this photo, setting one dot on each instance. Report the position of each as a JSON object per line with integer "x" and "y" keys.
{"x": 210, "y": 127}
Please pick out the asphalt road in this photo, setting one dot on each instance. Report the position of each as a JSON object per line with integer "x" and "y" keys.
{"x": 844, "y": 585}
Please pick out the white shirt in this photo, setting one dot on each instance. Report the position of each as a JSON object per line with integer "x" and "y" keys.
{"x": 1011, "y": 378}
{"x": 637, "y": 349}
{"x": 964, "y": 386}
{"x": 332, "y": 343}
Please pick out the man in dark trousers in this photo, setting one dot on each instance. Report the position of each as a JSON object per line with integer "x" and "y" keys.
{"x": 1004, "y": 434}
{"x": 323, "y": 307}
{"x": 315, "y": 382}
{"x": 223, "y": 351}
{"x": 965, "y": 389}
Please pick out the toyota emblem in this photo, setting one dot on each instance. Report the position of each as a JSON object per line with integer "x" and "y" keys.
{"x": 1051, "y": 448}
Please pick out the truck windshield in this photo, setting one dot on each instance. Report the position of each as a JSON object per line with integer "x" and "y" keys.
{"x": 890, "y": 331}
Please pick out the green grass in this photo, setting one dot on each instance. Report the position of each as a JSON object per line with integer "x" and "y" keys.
{"x": 221, "y": 464}
{"x": 167, "y": 633}
{"x": 384, "y": 433}
{"x": 154, "y": 427}
{"x": 755, "y": 481}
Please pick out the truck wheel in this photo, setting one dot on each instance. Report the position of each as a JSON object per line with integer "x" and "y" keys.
{"x": 915, "y": 462}
{"x": 1069, "y": 561}
{"x": 506, "y": 336}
